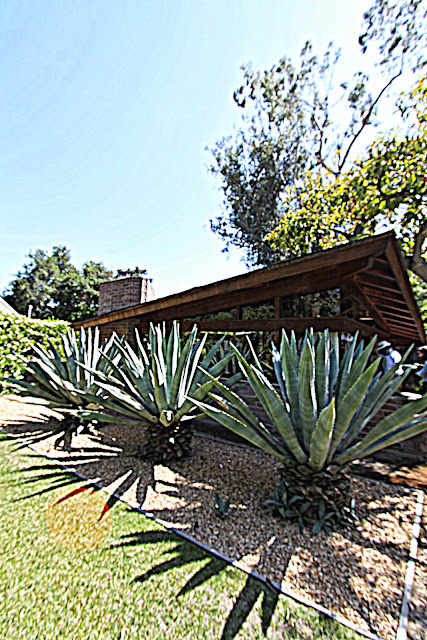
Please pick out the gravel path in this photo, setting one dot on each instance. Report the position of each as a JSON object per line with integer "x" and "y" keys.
{"x": 357, "y": 573}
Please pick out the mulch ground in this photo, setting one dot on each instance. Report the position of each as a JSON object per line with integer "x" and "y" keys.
{"x": 358, "y": 573}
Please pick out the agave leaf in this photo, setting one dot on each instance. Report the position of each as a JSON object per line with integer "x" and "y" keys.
{"x": 360, "y": 361}
{"x": 322, "y": 437}
{"x": 180, "y": 369}
{"x": 159, "y": 384}
{"x": 141, "y": 351}
{"x": 382, "y": 388}
{"x": 230, "y": 382}
{"x": 38, "y": 400}
{"x": 59, "y": 365}
{"x": 106, "y": 417}
{"x": 39, "y": 392}
{"x": 241, "y": 429}
{"x": 172, "y": 356}
{"x": 205, "y": 363}
{"x": 71, "y": 354}
{"x": 290, "y": 377}
{"x": 273, "y": 405}
{"x": 277, "y": 366}
{"x": 234, "y": 400}
{"x": 199, "y": 394}
{"x": 122, "y": 402}
{"x": 219, "y": 366}
{"x": 409, "y": 430}
{"x": 307, "y": 394}
{"x": 193, "y": 370}
{"x": 254, "y": 355}
{"x": 345, "y": 367}
{"x": 322, "y": 366}
{"x": 233, "y": 405}
{"x": 334, "y": 361}
{"x": 349, "y": 405}
{"x": 386, "y": 426}
{"x": 294, "y": 348}
{"x": 51, "y": 380}
{"x": 185, "y": 381}
{"x": 118, "y": 407}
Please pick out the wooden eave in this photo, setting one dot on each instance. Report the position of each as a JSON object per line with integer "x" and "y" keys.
{"x": 371, "y": 270}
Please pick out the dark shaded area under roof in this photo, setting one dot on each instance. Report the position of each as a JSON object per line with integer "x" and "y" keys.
{"x": 375, "y": 296}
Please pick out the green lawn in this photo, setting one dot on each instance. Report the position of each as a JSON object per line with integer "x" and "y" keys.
{"x": 139, "y": 582}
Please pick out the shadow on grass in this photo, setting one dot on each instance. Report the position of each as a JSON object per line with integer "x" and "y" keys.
{"x": 81, "y": 462}
{"x": 185, "y": 554}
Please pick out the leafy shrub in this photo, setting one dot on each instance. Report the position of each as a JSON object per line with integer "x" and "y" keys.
{"x": 17, "y": 334}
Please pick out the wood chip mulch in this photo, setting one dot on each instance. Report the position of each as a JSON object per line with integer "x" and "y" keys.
{"x": 358, "y": 573}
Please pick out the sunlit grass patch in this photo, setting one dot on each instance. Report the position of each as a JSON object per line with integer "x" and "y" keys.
{"x": 137, "y": 580}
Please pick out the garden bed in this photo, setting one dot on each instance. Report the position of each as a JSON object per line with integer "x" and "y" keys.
{"x": 357, "y": 573}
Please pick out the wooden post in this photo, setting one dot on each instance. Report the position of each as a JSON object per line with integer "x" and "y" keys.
{"x": 277, "y": 315}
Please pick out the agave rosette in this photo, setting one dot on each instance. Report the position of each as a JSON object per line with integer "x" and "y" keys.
{"x": 322, "y": 409}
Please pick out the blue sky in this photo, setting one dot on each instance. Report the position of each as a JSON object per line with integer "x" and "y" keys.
{"x": 106, "y": 110}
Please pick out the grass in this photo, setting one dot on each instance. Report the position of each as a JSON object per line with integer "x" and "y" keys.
{"x": 140, "y": 581}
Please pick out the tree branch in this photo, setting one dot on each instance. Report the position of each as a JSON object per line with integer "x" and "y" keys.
{"x": 365, "y": 120}
{"x": 416, "y": 262}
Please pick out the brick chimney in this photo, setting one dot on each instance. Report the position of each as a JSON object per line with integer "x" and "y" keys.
{"x": 124, "y": 292}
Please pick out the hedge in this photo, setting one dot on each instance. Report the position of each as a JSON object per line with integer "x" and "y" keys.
{"x": 17, "y": 334}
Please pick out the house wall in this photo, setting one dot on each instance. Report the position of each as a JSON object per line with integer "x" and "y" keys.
{"x": 121, "y": 328}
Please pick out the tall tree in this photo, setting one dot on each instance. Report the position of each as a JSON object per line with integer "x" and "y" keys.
{"x": 54, "y": 288}
{"x": 386, "y": 188}
{"x": 290, "y": 130}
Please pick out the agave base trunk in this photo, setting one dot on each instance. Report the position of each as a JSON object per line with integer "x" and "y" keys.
{"x": 164, "y": 444}
{"x": 67, "y": 428}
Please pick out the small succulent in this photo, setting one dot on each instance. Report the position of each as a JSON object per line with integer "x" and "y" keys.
{"x": 221, "y": 508}
{"x": 292, "y": 506}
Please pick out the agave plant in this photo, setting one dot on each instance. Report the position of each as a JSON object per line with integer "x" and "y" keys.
{"x": 152, "y": 386}
{"x": 61, "y": 384}
{"x": 319, "y": 416}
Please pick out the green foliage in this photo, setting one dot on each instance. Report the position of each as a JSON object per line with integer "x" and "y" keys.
{"x": 300, "y": 127}
{"x": 17, "y": 336}
{"x": 59, "y": 383}
{"x": 323, "y": 406}
{"x": 292, "y": 507}
{"x": 151, "y": 386}
{"x": 54, "y": 288}
{"x": 130, "y": 273}
{"x": 419, "y": 287}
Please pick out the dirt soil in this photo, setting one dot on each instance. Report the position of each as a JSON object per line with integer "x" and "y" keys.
{"x": 357, "y": 573}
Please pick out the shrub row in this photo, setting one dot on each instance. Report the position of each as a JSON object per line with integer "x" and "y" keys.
{"x": 17, "y": 334}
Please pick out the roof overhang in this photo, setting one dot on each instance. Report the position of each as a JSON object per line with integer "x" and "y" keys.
{"x": 370, "y": 270}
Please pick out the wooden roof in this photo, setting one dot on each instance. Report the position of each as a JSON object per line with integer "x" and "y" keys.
{"x": 371, "y": 272}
